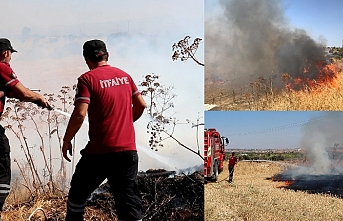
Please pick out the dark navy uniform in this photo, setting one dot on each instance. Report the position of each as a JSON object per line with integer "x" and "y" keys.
{"x": 7, "y": 80}
{"x": 5, "y": 167}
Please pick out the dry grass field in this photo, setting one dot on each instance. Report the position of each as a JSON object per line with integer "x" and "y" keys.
{"x": 323, "y": 97}
{"x": 253, "y": 197}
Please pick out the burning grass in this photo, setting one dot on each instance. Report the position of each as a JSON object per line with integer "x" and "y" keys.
{"x": 253, "y": 196}
{"x": 324, "y": 183}
{"x": 165, "y": 197}
{"x": 326, "y": 76}
{"x": 325, "y": 92}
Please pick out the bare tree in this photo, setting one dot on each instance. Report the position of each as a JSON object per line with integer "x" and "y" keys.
{"x": 160, "y": 108}
{"x": 182, "y": 50}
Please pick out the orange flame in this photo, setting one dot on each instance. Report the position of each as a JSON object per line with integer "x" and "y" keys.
{"x": 326, "y": 76}
{"x": 289, "y": 182}
{"x": 284, "y": 183}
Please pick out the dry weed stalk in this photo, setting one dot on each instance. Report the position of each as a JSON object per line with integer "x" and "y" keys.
{"x": 183, "y": 51}
{"x": 160, "y": 110}
{"x": 18, "y": 117}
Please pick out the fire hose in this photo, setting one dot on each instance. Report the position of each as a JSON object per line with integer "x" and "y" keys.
{"x": 224, "y": 178}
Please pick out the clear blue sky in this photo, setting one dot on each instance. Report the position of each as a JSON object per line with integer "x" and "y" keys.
{"x": 269, "y": 129}
{"x": 317, "y": 17}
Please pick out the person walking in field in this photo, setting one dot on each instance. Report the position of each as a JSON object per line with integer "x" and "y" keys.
{"x": 232, "y": 162}
{"x": 10, "y": 87}
{"x": 113, "y": 103}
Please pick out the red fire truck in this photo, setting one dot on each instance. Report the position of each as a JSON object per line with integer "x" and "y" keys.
{"x": 214, "y": 153}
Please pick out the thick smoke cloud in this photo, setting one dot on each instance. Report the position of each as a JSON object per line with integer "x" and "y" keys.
{"x": 318, "y": 142}
{"x": 320, "y": 136}
{"x": 251, "y": 38}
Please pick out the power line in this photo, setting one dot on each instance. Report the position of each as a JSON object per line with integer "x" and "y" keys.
{"x": 289, "y": 126}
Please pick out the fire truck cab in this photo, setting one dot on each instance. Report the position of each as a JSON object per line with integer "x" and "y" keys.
{"x": 214, "y": 153}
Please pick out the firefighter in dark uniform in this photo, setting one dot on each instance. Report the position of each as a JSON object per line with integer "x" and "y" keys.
{"x": 232, "y": 163}
{"x": 10, "y": 87}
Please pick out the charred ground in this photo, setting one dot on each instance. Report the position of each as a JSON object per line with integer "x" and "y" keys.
{"x": 165, "y": 196}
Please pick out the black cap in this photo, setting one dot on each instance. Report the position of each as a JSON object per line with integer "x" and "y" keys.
{"x": 5, "y": 44}
{"x": 94, "y": 48}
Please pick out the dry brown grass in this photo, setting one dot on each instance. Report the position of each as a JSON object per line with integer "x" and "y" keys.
{"x": 50, "y": 209}
{"x": 323, "y": 98}
{"x": 252, "y": 197}
{"x": 22, "y": 206}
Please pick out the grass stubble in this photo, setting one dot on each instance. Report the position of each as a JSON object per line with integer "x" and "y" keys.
{"x": 252, "y": 196}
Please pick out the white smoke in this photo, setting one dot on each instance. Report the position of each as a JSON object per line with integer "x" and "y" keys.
{"x": 318, "y": 141}
{"x": 139, "y": 38}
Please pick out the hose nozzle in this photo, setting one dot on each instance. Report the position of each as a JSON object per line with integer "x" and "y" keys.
{"x": 50, "y": 107}
{"x": 35, "y": 90}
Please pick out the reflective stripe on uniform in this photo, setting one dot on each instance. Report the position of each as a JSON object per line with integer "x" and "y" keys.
{"x": 10, "y": 81}
{"x": 4, "y": 191}
{"x": 5, "y": 186}
{"x": 76, "y": 208}
{"x": 82, "y": 98}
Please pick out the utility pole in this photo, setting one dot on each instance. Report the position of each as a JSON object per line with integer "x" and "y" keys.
{"x": 197, "y": 133}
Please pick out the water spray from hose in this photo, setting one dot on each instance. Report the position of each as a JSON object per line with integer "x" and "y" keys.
{"x": 62, "y": 112}
{"x": 51, "y": 107}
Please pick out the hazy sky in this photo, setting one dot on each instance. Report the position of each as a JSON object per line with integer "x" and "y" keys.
{"x": 320, "y": 19}
{"x": 53, "y": 16}
{"x": 276, "y": 129}
{"x": 49, "y": 35}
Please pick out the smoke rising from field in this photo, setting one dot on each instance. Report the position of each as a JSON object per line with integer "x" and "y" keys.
{"x": 318, "y": 143}
{"x": 251, "y": 38}
{"x": 319, "y": 140}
